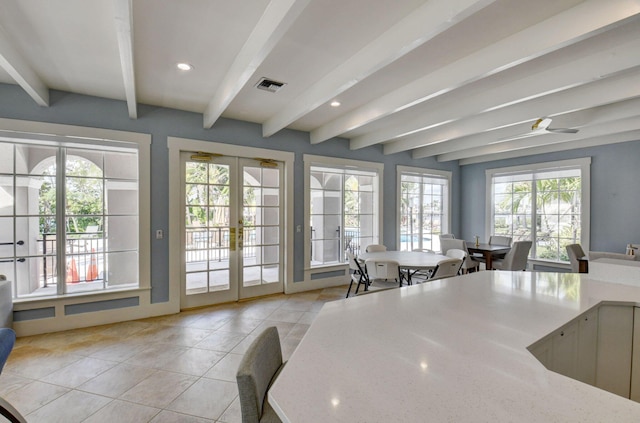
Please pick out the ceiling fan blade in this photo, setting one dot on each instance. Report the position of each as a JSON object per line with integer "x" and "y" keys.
{"x": 542, "y": 123}
{"x": 563, "y": 130}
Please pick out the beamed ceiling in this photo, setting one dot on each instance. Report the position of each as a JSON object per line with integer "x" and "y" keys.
{"x": 455, "y": 79}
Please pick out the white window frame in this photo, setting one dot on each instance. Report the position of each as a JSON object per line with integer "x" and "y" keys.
{"x": 337, "y": 163}
{"x": 75, "y": 137}
{"x": 584, "y": 164}
{"x": 422, "y": 172}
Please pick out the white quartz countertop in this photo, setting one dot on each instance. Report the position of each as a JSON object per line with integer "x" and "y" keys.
{"x": 451, "y": 350}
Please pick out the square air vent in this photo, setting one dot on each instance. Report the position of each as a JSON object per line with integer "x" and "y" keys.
{"x": 269, "y": 85}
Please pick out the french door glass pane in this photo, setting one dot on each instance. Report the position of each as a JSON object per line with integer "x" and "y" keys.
{"x": 206, "y": 227}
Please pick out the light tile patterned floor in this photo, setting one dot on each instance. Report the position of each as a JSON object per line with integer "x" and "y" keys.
{"x": 177, "y": 368}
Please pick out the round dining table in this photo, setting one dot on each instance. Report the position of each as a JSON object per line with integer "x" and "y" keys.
{"x": 410, "y": 261}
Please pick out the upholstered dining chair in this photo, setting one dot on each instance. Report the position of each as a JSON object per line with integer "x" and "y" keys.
{"x": 372, "y": 248}
{"x": 493, "y": 240}
{"x": 516, "y": 258}
{"x": 575, "y": 252}
{"x": 500, "y": 240}
{"x": 258, "y": 370}
{"x": 7, "y": 340}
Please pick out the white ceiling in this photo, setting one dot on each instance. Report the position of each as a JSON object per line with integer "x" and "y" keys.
{"x": 455, "y": 79}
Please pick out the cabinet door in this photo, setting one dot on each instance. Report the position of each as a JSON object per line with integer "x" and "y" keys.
{"x": 542, "y": 351}
{"x": 635, "y": 360}
{"x": 587, "y": 343}
{"x": 615, "y": 332}
{"x": 565, "y": 350}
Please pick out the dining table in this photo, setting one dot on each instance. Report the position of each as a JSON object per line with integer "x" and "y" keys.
{"x": 488, "y": 251}
{"x": 409, "y": 261}
{"x": 453, "y": 350}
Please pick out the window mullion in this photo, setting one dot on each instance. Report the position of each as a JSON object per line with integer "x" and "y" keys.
{"x": 534, "y": 216}
{"x": 61, "y": 232}
{"x": 420, "y": 215}
{"x": 342, "y": 219}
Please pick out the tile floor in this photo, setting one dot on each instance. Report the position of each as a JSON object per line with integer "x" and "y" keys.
{"x": 177, "y": 368}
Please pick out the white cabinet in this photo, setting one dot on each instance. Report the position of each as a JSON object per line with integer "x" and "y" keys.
{"x": 564, "y": 350}
{"x": 572, "y": 349}
{"x": 601, "y": 347}
{"x": 635, "y": 359}
{"x": 587, "y": 347}
{"x": 615, "y": 337}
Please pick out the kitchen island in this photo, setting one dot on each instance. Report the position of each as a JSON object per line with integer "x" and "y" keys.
{"x": 449, "y": 350}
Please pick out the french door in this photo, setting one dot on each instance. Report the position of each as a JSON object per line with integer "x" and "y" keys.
{"x": 232, "y": 228}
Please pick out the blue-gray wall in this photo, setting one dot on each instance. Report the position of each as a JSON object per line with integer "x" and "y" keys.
{"x": 615, "y": 193}
{"x": 615, "y": 185}
{"x": 72, "y": 109}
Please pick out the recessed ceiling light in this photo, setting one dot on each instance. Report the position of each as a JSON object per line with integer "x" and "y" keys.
{"x": 335, "y": 103}
{"x": 184, "y": 66}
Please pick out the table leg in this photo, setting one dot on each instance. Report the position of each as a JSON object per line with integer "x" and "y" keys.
{"x": 488, "y": 260}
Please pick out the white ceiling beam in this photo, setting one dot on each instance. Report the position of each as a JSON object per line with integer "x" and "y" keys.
{"x": 601, "y": 92}
{"x": 579, "y": 64}
{"x": 577, "y": 119}
{"x": 565, "y": 146}
{"x": 273, "y": 24}
{"x": 124, "y": 33}
{"x": 421, "y": 25}
{"x": 17, "y": 67}
{"x": 625, "y": 125}
{"x": 573, "y": 25}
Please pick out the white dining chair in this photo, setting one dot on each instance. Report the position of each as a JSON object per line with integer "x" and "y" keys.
{"x": 457, "y": 254}
{"x": 459, "y": 244}
{"x": 446, "y": 269}
{"x": 372, "y": 248}
{"x": 381, "y": 271}
{"x": 357, "y": 273}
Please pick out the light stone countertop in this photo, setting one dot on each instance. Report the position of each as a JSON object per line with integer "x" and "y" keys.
{"x": 449, "y": 350}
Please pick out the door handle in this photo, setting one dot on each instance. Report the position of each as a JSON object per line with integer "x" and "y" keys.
{"x": 21, "y": 260}
{"x": 232, "y": 239}
{"x": 11, "y": 243}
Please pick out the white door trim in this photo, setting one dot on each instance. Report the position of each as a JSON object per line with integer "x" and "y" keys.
{"x": 177, "y": 145}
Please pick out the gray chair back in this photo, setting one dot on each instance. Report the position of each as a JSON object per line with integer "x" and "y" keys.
{"x": 257, "y": 371}
{"x": 500, "y": 240}
{"x": 516, "y": 258}
{"x": 575, "y": 251}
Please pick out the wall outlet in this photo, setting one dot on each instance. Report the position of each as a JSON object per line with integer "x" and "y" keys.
{"x": 159, "y": 234}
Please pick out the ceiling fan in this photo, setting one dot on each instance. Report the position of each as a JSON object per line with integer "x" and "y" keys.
{"x": 542, "y": 125}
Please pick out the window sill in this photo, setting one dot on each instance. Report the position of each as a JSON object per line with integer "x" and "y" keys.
{"x": 81, "y": 296}
{"x": 327, "y": 267}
